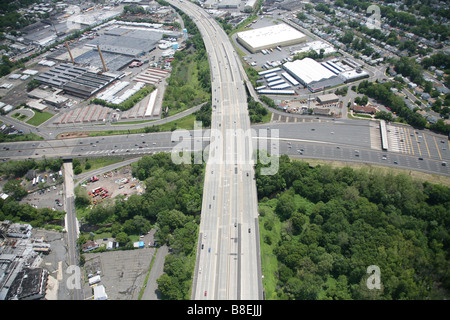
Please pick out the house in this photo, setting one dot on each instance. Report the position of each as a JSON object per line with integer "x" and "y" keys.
{"x": 425, "y": 96}
{"x": 89, "y": 245}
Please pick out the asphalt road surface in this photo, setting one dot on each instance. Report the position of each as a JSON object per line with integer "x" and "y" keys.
{"x": 228, "y": 260}
{"x": 71, "y": 227}
{"x": 406, "y": 145}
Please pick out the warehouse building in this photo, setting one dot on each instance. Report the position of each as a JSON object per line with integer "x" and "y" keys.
{"x": 29, "y": 284}
{"x": 127, "y": 41}
{"x": 270, "y": 37}
{"x": 353, "y": 75}
{"x": 20, "y": 279}
{"x": 327, "y": 98}
{"x": 60, "y": 74}
{"x": 77, "y": 81}
{"x": 312, "y": 74}
{"x": 88, "y": 84}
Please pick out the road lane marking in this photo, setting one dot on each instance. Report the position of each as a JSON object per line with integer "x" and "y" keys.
{"x": 437, "y": 147}
{"x": 418, "y": 143}
{"x": 426, "y": 145}
{"x": 410, "y": 142}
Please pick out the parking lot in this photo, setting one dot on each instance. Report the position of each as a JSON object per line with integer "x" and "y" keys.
{"x": 257, "y": 60}
{"x": 122, "y": 272}
{"x": 47, "y": 194}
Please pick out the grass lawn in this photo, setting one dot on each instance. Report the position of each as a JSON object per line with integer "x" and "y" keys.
{"x": 269, "y": 263}
{"x": 39, "y": 118}
{"x": 183, "y": 123}
{"x": 100, "y": 162}
{"x": 267, "y": 117}
{"x": 19, "y": 116}
{"x": 22, "y": 137}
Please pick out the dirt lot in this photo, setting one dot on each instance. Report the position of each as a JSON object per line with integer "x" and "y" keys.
{"x": 116, "y": 182}
{"x": 72, "y": 135}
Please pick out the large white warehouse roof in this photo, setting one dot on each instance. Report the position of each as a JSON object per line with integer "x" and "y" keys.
{"x": 308, "y": 70}
{"x": 270, "y": 37}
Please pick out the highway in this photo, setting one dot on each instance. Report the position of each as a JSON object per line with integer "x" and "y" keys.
{"x": 406, "y": 146}
{"x": 71, "y": 226}
{"x": 228, "y": 257}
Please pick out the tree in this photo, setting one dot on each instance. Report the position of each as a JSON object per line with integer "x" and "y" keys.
{"x": 82, "y": 198}
{"x": 285, "y": 206}
{"x": 298, "y": 221}
{"x": 137, "y": 225}
{"x": 122, "y": 238}
{"x": 15, "y": 189}
{"x": 348, "y": 37}
{"x": 325, "y": 246}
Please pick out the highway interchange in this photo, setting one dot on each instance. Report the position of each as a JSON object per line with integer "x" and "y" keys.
{"x": 228, "y": 259}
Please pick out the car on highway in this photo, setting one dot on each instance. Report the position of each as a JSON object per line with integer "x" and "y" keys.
{"x": 420, "y": 158}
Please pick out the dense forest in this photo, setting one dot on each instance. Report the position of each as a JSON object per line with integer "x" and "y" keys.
{"x": 322, "y": 227}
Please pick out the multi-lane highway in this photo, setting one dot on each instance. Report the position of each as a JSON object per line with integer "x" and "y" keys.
{"x": 228, "y": 261}
{"x": 329, "y": 140}
{"x": 228, "y": 256}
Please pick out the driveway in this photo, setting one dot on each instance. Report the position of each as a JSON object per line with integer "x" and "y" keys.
{"x": 151, "y": 292}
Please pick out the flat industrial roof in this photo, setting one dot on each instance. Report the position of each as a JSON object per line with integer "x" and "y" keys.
{"x": 271, "y": 36}
{"x": 308, "y": 70}
{"x": 127, "y": 41}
